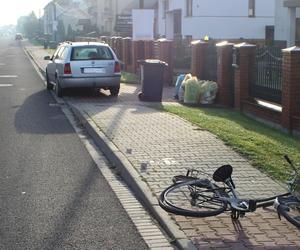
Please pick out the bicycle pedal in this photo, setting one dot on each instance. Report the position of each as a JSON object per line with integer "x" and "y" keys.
{"x": 192, "y": 173}
{"x": 182, "y": 178}
{"x": 252, "y": 205}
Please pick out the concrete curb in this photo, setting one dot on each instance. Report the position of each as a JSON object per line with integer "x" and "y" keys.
{"x": 133, "y": 179}
{"x": 33, "y": 59}
{"x": 130, "y": 175}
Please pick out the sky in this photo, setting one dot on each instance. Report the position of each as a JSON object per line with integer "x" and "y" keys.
{"x": 11, "y": 10}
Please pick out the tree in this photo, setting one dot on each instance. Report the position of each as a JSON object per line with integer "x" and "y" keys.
{"x": 61, "y": 32}
{"x": 70, "y": 33}
{"x": 29, "y": 25}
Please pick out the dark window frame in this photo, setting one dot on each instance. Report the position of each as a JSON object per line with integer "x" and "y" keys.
{"x": 165, "y": 4}
{"x": 189, "y": 8}
{"x": 251, "y": 8}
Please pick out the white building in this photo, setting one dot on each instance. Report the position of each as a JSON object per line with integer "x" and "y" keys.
{"x": 70, "y": 15}
{"x": 219, "y": 19}
{"x": 287, "y": 21}
{"x": 105, "y": 12}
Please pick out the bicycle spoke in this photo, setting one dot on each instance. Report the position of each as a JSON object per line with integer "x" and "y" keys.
{"x": 195, "y": 198}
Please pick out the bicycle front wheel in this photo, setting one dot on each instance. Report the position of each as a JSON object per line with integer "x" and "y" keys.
{"x": 289, "y": 208}
{"x": 197, "y": 198}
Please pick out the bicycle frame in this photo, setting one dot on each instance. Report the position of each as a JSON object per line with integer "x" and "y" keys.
{"x": 238, "y": 207}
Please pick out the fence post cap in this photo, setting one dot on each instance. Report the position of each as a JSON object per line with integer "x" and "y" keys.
{"x": 163, "y": 40}
{"x": 198, "y": 41}
{"x": 224, "y": 43}
{"x": 291, "y": 49}
{"x": 244, "y": 45}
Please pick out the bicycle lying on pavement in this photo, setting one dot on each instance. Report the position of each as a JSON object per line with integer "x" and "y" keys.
{"x": 195, "y": 197}
{"x": 289, "y": 206}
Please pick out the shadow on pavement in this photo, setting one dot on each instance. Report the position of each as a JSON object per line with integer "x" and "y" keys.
{"x": 40, "y": 114}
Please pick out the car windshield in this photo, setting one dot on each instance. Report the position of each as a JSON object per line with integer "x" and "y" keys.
{"x": 91, "y": 53}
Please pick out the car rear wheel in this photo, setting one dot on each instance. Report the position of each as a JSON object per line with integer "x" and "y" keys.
{"x": 114, "y": 91}
{"x": 58, "y": 89}
{"x": 48, "y": 84}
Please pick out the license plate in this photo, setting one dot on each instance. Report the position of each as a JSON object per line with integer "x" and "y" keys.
{"x": 93, "y": 70}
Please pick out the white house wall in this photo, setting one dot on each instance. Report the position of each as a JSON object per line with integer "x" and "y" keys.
{"x": 282, "y": 21}
{"x": 221, "y": 19}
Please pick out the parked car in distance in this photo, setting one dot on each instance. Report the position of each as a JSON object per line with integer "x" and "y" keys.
{"x": 18, "y": 37}
{"x": 83, "y": 65}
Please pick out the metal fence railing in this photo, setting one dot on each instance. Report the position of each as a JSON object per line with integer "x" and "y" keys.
{"x": 267, "y": 84}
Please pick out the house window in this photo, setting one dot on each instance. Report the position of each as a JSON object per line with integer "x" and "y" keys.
{"x": 165, "y": 7}
{"x": 251, "y": 8}
{"x": 189, "y": 7}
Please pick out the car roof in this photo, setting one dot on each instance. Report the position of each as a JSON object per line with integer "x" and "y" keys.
{"x": 79, "y": 44}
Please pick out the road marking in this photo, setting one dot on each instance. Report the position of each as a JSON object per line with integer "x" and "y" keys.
{"x": 8, "y": 76}
{"x": 140, "y": 218}
{"x": 6, "y": 85}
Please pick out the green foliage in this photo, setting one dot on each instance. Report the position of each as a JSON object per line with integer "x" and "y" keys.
{"x": 262, "y": 145}
{"x": 127, "y": 77}
{"x": 70, "y": 34}
{"x": 28, "y": 25}
{"x": 61, "y": 33}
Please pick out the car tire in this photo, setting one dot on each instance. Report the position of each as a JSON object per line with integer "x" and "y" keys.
{"x": 49, "y": 86}
{"x": 114, "y": 91}
{"x": 58, "y": 89}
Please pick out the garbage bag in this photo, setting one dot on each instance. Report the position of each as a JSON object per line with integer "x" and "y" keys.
{"x": 192, "y": 91}
{"x": 182, "y": 87}
{"x": 179, "y": 81}
{"x": 208, "y": 91}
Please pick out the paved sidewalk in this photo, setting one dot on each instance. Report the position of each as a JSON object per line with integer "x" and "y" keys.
{"x": 159, "y": 145}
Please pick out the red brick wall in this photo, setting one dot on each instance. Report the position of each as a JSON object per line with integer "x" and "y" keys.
{"x": 225, "y": 78}
{"x": 244, "y": 74}
{"x": 198, "y": 58}
{"x": 262, "y": 112}
{"x": 291, "y": 87}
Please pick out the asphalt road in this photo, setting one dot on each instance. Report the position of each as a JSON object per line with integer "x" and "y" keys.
{"x": 52, "y": 195}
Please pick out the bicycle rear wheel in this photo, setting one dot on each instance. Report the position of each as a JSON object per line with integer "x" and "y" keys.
{"x": 289, "y": 208}
{"x": 197, "y": 198}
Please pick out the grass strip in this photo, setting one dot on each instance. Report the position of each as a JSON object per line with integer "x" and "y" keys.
{"x": 127, "y": 77}
{"x": 263, "y": 146}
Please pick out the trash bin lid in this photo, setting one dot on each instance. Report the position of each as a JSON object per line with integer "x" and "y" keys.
{"x": 152, "y": 61}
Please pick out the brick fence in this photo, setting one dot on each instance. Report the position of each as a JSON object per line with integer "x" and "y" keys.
{"x": 234, "y": 82}
{"x": 130, "y": 52}
{"x": 289, "y": 117}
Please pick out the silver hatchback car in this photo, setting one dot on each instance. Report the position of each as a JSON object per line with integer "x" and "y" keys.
{"x": 83, "y": 64}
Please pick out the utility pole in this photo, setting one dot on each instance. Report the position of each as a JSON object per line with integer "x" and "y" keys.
{"x": 141, "y": 5}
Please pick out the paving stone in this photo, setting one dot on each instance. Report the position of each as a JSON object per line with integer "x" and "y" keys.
{"x": 166, "y": 146}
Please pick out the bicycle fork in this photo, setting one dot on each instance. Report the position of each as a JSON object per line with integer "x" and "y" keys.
{"x": 239, "y": 207}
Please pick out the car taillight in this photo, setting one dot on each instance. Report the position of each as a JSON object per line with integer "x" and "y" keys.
{"x": 117, "y": 67}
{"x": 67, "y": 69}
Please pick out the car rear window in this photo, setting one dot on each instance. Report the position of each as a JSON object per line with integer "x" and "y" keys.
{"x": 91, "y": 53}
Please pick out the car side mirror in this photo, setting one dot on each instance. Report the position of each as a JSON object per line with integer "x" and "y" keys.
{"x": 47, "y": 58}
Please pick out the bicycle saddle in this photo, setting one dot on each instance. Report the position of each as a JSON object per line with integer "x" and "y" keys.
{"x": 223, "y": 173}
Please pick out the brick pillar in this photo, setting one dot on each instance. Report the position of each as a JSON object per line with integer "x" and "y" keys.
{"x": 118, "y": 46}
{"x": 127, "y": 53}
{"x": 104, "y": 39}
{"x": 149, "y": 49}
{"x": 166, "y": 55}
{"x": 290, "y": 86}
{"x": 243, "y": 73}
{"x": 225, "y": 74}
{"x": 109, "y": 41}
{"x": 198, "y": 58}
{"x": 113, "y": 43}
{"x": 138, "y": 53}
